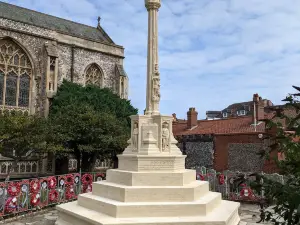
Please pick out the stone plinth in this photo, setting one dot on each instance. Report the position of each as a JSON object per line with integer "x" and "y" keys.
{"x": 151, "y": 186}
{"x": 149, "y": 197}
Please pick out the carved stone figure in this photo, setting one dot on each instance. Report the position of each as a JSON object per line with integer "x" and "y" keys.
{"x": 156, "y": 70}
{"x": 165, "y": 135}
{"x": 156, "y": 89}
{"x": 135, "y": 136}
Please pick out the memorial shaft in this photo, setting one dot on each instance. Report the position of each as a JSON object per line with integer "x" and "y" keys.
{"x": 153, "y": 76}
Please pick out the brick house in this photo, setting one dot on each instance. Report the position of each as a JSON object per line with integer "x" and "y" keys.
{"x": 230, "y": 143}
{"x": 237, "y": 109}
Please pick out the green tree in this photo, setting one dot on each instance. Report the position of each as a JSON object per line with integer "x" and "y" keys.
{"x": 21, "y": 135}
{"x": 284, "y": 196}
{"x": 90, "y": 122}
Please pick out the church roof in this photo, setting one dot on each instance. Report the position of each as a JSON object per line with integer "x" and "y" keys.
{"x": 46, "y": 21}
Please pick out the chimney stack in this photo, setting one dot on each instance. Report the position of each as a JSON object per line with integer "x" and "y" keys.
{"x": 192, "y": 118}
{"x": 258, "y": 109}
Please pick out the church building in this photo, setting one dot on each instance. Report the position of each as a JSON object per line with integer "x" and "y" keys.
{"x": 38, "y": 51}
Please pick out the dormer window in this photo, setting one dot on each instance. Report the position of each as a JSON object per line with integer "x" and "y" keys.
{"x": 225, "y": 114}
{"x": 241, "y": 112}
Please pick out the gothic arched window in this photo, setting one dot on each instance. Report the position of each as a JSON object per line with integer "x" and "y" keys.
{"x": 94, "y": 75}
{"x": 15, "y": 75}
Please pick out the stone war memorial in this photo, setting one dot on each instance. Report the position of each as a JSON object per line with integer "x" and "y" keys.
{"x": 151, "y": 185}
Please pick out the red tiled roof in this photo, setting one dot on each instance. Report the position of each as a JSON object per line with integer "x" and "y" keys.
{"x": 231, "y": 125}
{"x": 223, "y": 126}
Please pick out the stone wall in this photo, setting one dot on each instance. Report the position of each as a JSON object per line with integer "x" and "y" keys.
{"x": 237, "y": 152}
{"x": 243, "y": 157}
{"x": 199, "y": 154}
{"x": 83, "y": 58}
{"x": 198, "y": 149}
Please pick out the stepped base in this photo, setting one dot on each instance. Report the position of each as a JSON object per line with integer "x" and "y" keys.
{"x": 226, "y": 213}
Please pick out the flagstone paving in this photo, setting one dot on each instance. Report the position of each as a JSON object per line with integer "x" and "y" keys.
{"x": 249, "y": 216}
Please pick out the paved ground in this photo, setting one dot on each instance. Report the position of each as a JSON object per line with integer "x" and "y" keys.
{"x": 249, "y": 216}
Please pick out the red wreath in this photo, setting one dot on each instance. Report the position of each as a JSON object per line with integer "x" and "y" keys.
{"x": 87, "y": 188}
{"x": 35, "y": 186}
{"x": 51, "y": 182}
{"x": 200, "y": 176}
{"x": 14, "y": 188}
{"x": 11, "y": 204}
{"x": 100, "y": 175}
{"x": 87, "y": 179}
{"x": 69, "y": 179}
{"x": 246, "y": 193}
{"x": 70, "y": 193}
{"x": 221, "y": 179}
{"x": 53, "y": 195}
{"x": 35, "y": 199}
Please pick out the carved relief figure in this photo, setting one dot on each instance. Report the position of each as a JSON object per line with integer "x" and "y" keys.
{"x": 156, "y": 84}
{"x": 165, "y": 135}
{"x": 135, "y": 136}
{"x": 156, "y": 89}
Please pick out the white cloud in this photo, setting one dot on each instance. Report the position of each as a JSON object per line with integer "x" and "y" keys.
{"x": 212, "y": 52}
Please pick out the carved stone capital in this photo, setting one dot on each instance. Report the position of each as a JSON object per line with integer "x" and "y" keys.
{"x": 152, "y": 4}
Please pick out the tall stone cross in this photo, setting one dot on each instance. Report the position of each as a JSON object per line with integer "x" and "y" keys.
{"x": 153, "y": 76}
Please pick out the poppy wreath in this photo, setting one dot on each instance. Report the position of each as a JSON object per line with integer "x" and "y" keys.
{"x": 35, "y": 186}
{"x": 69, "y": 179}
{"x": 246, "y": 193}
{"x": 70, "y": 193}
{"x": 53, "y": 195}
{"x": 14, "y": 188}
{"x": 35, "y": 199}
{"x": 11, "y": 205}
{"x": 221, "y": 179}
{"x": 87, "y": 179}
{"x": 100, "y": 176}
{"x": 200, "y": 176}
{"x": 51, "y": 182}
{"x": 87, "y": 188}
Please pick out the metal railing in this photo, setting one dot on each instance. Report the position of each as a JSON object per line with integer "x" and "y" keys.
{"x": 226, "y": 184}
{"x": 26, "y": 195}
{"x": 19, "y": 196}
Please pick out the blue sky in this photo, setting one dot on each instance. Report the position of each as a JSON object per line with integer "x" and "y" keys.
{"x": 212, "y": 52}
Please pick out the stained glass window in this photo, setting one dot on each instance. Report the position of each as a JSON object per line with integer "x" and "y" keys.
{"x": 16, "y": 60}
{"x": 1, "y": 86}
{"x": 11, "y": 89}
{"x": 23, "y": 59}
{"x": 24, "y": 90}
{"x": 15, "y": 70}
{"x": 94, "y": 75}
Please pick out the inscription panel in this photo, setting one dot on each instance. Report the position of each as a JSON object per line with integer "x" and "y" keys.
{"x": 161, "y": 165}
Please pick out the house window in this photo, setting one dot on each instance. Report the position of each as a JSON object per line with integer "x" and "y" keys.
{"x": 241, "y": 113}
{"x": 225, "y": 114}
{"x": 15, "y": 75}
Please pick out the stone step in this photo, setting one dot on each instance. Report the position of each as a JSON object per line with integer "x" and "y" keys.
{"x": 122, "y": 193}
{"x": 117, "y": 209}
{"x": 225, "y": 214}
{"x": 130, "y": 178}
